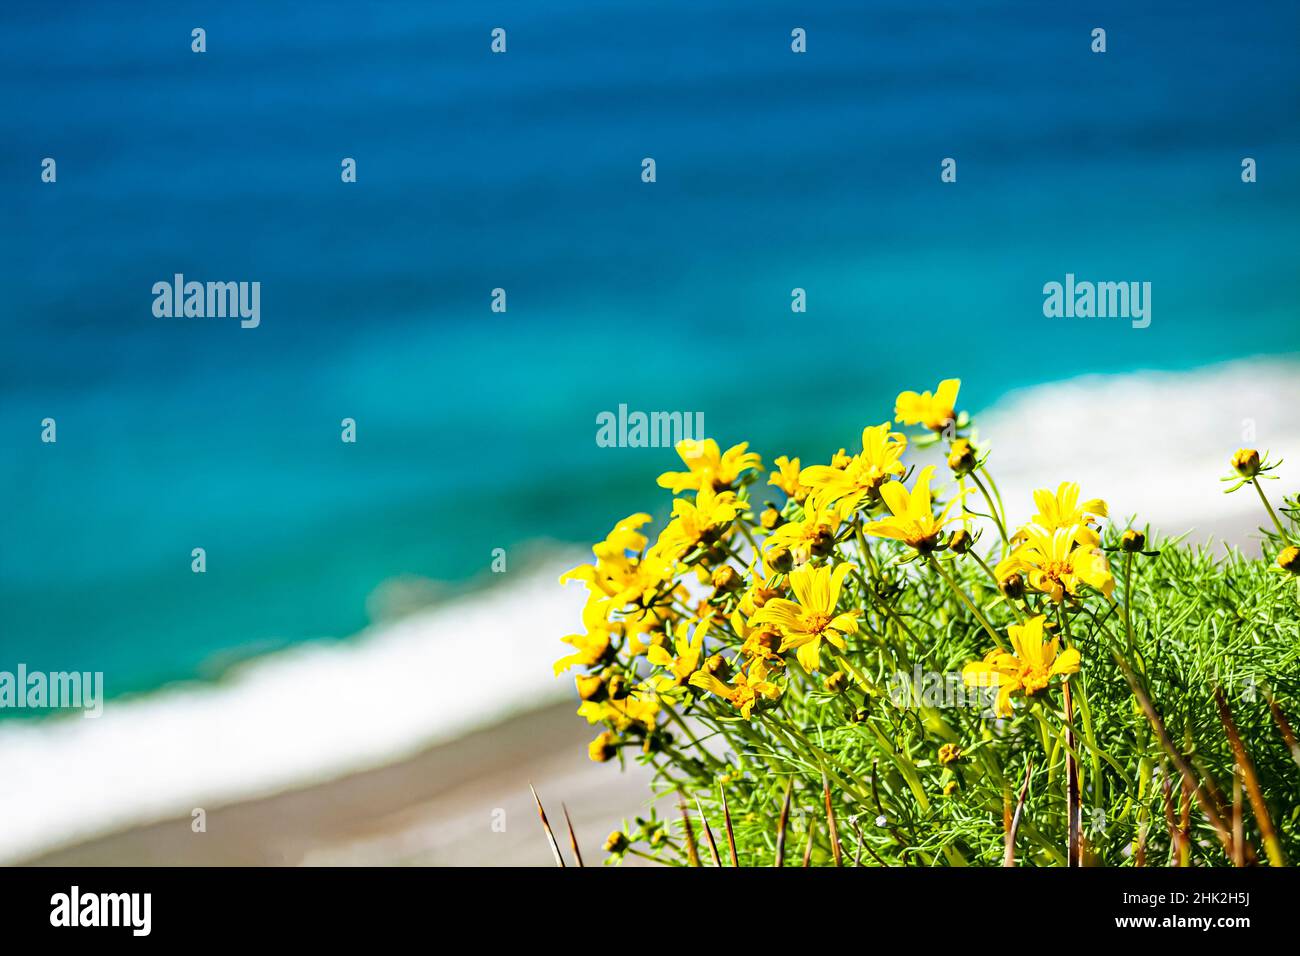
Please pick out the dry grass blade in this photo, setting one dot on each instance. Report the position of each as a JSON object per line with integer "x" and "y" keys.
{"x": 1238, "y": 822}
{"x": 783, "y": 823}
{"x": 573, "y": 839}
{"x": 692, "y": 853}
{"x": 1208, "y": 805}
{"x": 1013, "y": 825}
{"x": 1288, "y": 734}
{"x": 812, "y": 832}
{"x": 830, "y": 822}
{"x": 1272, "y": 845}
{"x": 708, "y": 834}
{"x": 546, "y": 825}
{"x": 1176, "y": 850}
{"x": 726, "y": 816}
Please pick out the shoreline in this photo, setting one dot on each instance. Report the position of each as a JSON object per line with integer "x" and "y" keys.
{"x": 271, "y": 742}
{"x": 462, "y": 803}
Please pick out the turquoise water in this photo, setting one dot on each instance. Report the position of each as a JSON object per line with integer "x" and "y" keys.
{"x": 476, "y": 430}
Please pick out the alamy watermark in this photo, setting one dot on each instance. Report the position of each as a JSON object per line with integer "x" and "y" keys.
{"x": 53, "y": 690}
{"x": 1098, "y": 300}
{"x": 179, "y": 299}
{"x": 940, "y": 689}
{"x": 635, "y": 429}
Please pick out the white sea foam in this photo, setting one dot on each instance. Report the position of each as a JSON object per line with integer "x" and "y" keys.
{"x": 1152, "y": 444}
{"x": 313, "y": 712}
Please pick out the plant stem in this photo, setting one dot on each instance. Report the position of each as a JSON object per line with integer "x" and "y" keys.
{"x": 1128, "y": 599}
{"x": 993, "y": 508}
{"x": 1281, "y": 532}
{"x": 997, "y": 639}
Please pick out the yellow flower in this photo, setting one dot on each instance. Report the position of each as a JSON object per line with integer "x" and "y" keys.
{"x": 745, "y": 692}
{"x": 949, "y": 753}
{"x": 1063, "y": 510}
{"x": 1288, "y": 559}
{"x": 814, "y": 533}
{"x": 1056, "y": 562}
{"x": 707, "y": 467}
{"x": 763, "y": 643}
{"x": 623, "y": 714}
{"x": 701, "y": 521}
{"x": 863, "y": 474}
{"x": 1028, "y": 670}
{"x": 913, "y": 521}
{"x": 933, "y": 411}
{"x": 619, "y": 572}
{"x": 803, "y": 625}
{"x": 590, "y": 648}
{"x": 689, "y": 651}
{"x": 787, "y": 478}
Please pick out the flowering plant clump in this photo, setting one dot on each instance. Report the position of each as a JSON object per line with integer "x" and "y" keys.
{"x": 888, "y": 665}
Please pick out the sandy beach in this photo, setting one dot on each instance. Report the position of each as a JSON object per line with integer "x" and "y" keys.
{"x": 437, "y": 808}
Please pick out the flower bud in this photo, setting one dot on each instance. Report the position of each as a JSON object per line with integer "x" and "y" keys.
{"x": 836, "y": 682}
{"x": 949, "y": 753}
{"x": 603, "y": 747}
{"x": 824, "y": 543}
{"x": 950, "y": 788}
{"x": 1246, "y": 462}
{"x": 960, "y": 541}
{"x": 1289, "y": 559}
{"x": 770, "y": 518}
{"x": 590, "y": 687}
{"x": 961, "y": 457}
{"x": 616, "y": 842}
{"x": 1013, "y": 586}
{"x": 779, "y": 560}
{"x": 1133, "y": 541}
{"x": 617, "y": 687}
{"x": 727, "y": 578}
{"x": 717, "y": 666}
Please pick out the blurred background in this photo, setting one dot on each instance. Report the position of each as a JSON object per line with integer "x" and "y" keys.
{"x": 349, "y": 681}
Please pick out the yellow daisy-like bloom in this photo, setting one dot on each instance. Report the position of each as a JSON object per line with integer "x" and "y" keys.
{"x": 593, "y": 646}
{"x": 864, "y": 473}
{"x": 623, "y": 714}
{"x": 805, "y": 624}
{"x": 1064, "y": 510}
{"x": 701, "y": 521}
{"x": 815, "y": 530}
{"x": 744, "y": 692}
{"x": 913, "y": 522}
{"x": 591, "y": 650}
{"x": 1057, "y": 562}
{"x": 1028, "y": 670}
{"x": 689, "y": 651}
{"x": 708, "y": 467}
{"x": 787, "y": 478}
{"x": 933, "y": 411}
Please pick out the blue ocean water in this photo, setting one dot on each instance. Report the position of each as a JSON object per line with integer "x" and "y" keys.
{"x": 522, "y": 171}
